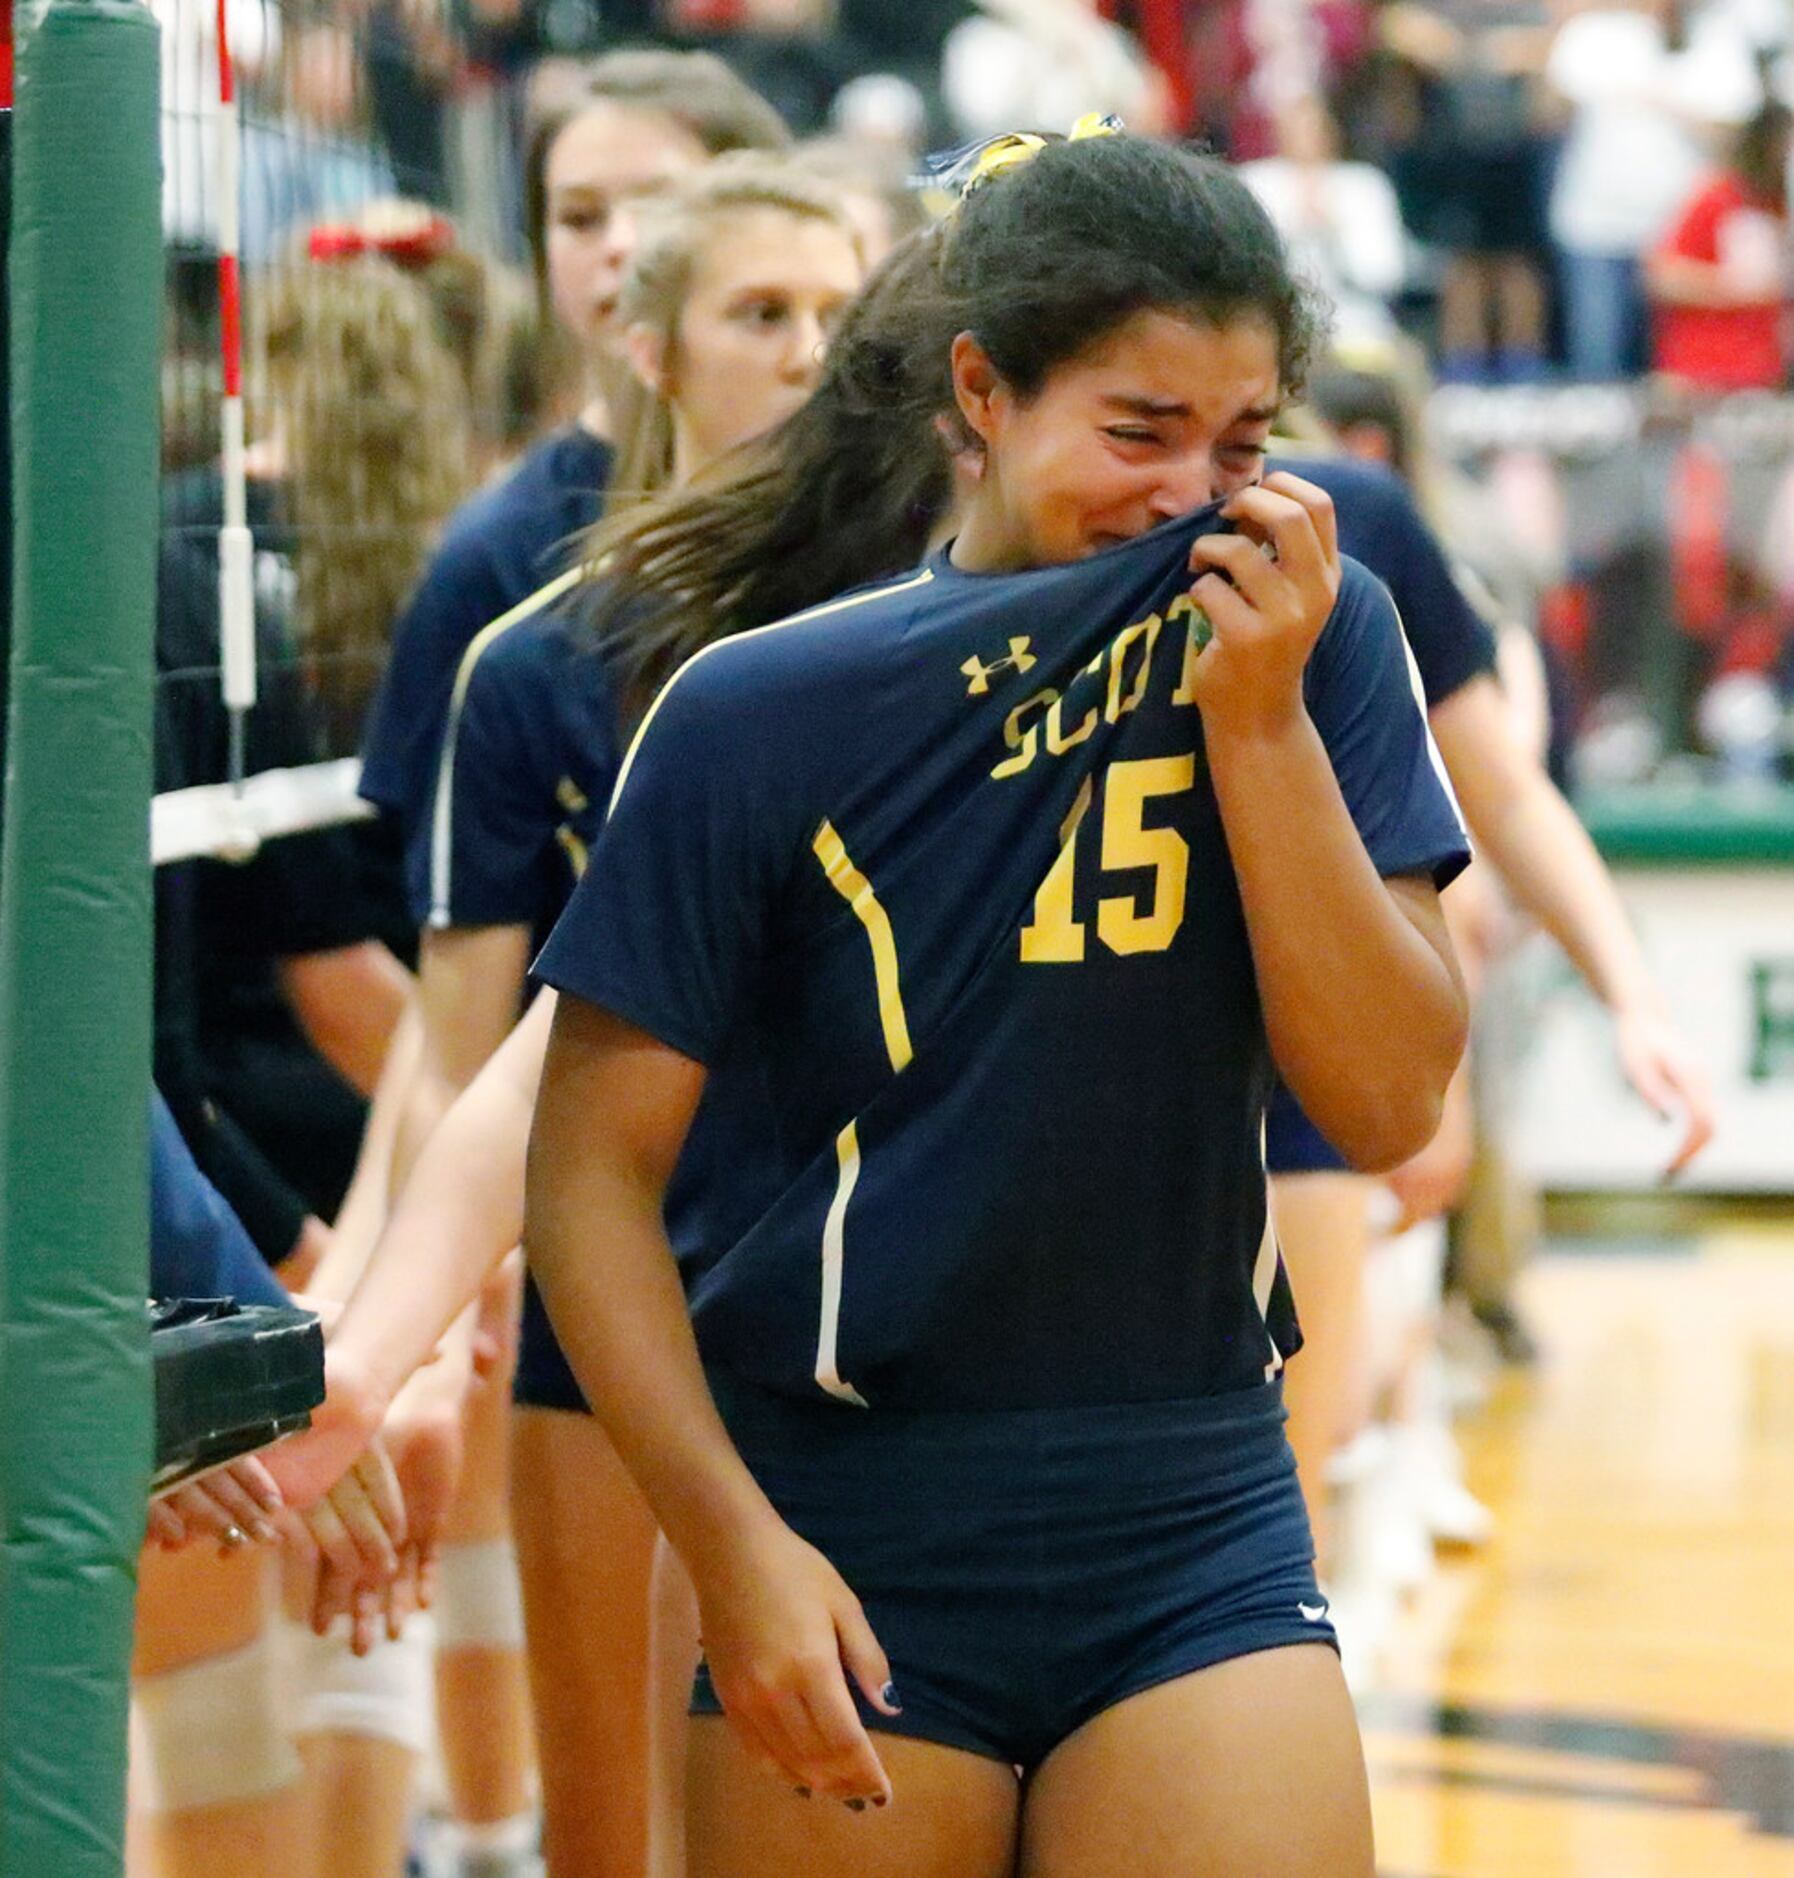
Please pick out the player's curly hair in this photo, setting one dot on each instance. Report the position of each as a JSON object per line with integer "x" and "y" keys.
{"x": 374, "y": 414}
{"x": 1038, "y": 264}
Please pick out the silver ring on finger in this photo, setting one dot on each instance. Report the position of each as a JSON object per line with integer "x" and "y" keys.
{"x": 235, "y": 1536}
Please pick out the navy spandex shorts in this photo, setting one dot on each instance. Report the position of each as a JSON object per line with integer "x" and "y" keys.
{"x": 1027, "y": 1569}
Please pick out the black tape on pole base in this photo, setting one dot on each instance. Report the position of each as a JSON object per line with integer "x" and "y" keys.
{"x": 230, "y": 1378}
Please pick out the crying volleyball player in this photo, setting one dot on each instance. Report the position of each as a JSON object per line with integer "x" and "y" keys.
{"x": 896, "y": 1181}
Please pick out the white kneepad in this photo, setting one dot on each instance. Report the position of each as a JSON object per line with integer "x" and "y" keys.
{"x": 214, "y": 1731}
{"x": 479, "y": 1601}
{"x": 386, "y": 1694}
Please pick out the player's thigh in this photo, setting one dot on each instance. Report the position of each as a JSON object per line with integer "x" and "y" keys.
{"x": 585, "y": 1546}
{"x": 585, "y": 1549}
{"x": 1250, "y": 1768}
{"x": 194, "y": 1604}
{"x": 1322, "y": 1224}
{"x": 482, "y": 1501}
{"x": 953, "y": 1815}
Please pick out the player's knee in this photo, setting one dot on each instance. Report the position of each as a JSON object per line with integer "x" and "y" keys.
{"x": 215, "y": 1731}
{"x": 385, "y": 1695}
{"x": 479, "y": 1599}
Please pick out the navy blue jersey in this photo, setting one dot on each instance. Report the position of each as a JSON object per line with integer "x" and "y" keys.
{"x": 528, "y": 762}
{"x": 933, "y": 881}
{"x": 198, "y": 1248}
{"x": 1380, "y": 526}
{"x": 496, "y": 551}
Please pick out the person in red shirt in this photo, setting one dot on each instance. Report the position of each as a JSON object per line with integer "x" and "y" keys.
{"x": 1718, "y": 280}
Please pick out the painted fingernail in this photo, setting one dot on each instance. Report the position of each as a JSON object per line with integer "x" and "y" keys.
{"x": 856, "y": 1806}
{"x": 888, "y": 1694}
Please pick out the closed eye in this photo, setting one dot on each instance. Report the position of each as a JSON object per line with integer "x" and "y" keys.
{"x": 1131, "y": 433}
{"x": 761, "y": 310}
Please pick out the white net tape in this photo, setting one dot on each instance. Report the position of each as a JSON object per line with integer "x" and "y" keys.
{"x": 230, "y": 824}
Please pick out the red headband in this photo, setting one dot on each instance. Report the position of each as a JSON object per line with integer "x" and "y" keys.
{"x": 415, "y": 246}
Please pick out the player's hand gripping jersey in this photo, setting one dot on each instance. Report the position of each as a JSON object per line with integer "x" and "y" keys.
{"x": 933, "y": 881}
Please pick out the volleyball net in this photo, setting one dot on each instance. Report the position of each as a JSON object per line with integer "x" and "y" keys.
{"x": 350, "y": 346}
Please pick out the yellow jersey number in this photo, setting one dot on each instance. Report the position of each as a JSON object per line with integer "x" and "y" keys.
{"x": 1055, "y": 935}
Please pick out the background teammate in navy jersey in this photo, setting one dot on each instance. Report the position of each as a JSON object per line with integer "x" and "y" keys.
{"x": 741, "y": 272}
{"x": 977, "y": 945}
{"x": 639, "y": 121}
{"x": 1531, "y": 838}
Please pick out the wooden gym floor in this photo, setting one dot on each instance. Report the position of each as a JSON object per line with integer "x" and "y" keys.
{"x": 1607, "y": 1691}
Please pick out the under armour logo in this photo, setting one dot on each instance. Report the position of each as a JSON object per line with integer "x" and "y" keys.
{"x": 1020, "y": 659}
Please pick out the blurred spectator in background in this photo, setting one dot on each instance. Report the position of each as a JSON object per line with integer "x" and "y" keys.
{"x": 412, "y": 62}
{"x": 1341, "y": 220}
{"x": 1648, "y": 87}
{"x": 1718, "y": 281}
{"x": 879, "y": 110}
{"x": 315, "y": 155}
{"x": 1470, "y": 145}
{"x": 788, "y": 50}
{"x": 189, "y": 81}
{"x": 1043, "y": 64}
{"x": 1244, "y": 62}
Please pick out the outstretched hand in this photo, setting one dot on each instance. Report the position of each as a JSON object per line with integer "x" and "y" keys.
{"x": 423, "y": 1434}
{"x": 1665, "y": 1073}
{"x": 307, "y": 1465}
{"x": 783, "y": 1636}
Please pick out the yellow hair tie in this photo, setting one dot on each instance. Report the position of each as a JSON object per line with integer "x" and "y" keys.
{"x": 973, "y": 168}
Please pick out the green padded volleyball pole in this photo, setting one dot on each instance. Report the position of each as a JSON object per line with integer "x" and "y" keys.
{"x": 75, "y": 925}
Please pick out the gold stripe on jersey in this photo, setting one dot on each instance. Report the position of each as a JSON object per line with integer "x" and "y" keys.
{"x": 443, "y": 809}
{"x": 856, "y": 890}
{"x": 753, "y": 632}
{"x": 834, "y": 1253}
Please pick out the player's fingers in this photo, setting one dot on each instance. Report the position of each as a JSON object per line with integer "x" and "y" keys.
{"x": 367, "y": 1532}
{"x": 339, "y": 1563}
{"x": 752, "y": 1738}
{"x": 765, "y": 1735}
{"x": 864, "y": 1659}
{"x": 296, "y": 1539}
{"x": 400, "y": 1601}
{"x": 233, "y": 1507}
{"x": 1693, "y": 1140}
{"x": 850, "y": 1769}
{"x": 1230, "y": 613}
{"x": 379, "y": 1480}
{"x": 367, "y": 1604}
{"x": 258, "y": 1483}
{"x": 1289, "y": 526}
{"x": 1646, "y": 1074}
{"x": 1316, "y": 501}
{"x": 429, "y": 1560}
{"x": 164, "y": 1526}
{"x": 1252, "y": 572}
{"x": 785, "y": 1729}
{"x": 1695, "y": 1103}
